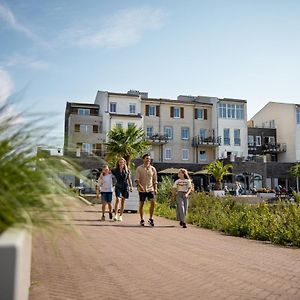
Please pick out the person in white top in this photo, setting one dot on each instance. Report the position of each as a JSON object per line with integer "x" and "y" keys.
{"x": 105, "y": 185}
{"x": 181, "y": 189}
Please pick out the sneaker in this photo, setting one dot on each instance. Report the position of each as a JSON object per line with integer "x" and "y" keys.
{"x": 116, "y": 217}
{"x": 120, "y": 218}
{"x": 103, "y": 218}
{"x": 184, "y": 225}
{"x": 110, "y": 216}
{"x": 142, "y": 223}
{"x": 151, "y": 222}
{"x": 180, "y": 223}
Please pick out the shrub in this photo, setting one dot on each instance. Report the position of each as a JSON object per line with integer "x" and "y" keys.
{"x": 164, "y": 193}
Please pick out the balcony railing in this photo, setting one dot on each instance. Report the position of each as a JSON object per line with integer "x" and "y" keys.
{"x": 209, "y": 141}
{"x": 158, "y": 139}
{"x": 274, "y": 148}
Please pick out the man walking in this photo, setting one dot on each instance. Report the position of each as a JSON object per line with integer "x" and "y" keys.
{"x": 146, "y": 180}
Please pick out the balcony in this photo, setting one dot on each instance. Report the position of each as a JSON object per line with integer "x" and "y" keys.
{"x": 158, "y": 139}
{"x": 207, "y": 141}
{"x": 274, "y": 148}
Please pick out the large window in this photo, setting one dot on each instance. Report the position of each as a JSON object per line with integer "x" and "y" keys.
{"x": 185, "y": 154}
{"x": 87, "y": 148}
{"x": 86, "y": 128}
{"x": 200, "y": 114}
{"x": 258, "y": 140}
{"x": 226, "y": 136}
{"x": 185, "y": 133}
{"x": 168, "y": 153}
{"x": 202, "y": 134}
{"x": 176, "y": 112}
{"x": 113, "y": 107}
{"x": 237, "y": 137}
{"x": 149, "y": 131}
{"x": 298, "y": 115}
{"x": 84, "y": 111}
{"x": 132, "y": 108}
{"x": 231, "y": 111}
{"x": 168, "y": 132}
{"x": 152, "y": 110}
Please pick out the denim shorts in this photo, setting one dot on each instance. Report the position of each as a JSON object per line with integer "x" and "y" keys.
{"x": 146, "y": 195}
{"x": 122, "y": 192}
{"x": 106, "y": 196}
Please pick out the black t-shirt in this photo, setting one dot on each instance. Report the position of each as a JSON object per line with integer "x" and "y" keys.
{"x": 121, "y": 177}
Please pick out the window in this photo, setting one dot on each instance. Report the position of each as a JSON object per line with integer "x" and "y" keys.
{"x": 113, "y": 107}
{"x": 168, "y": 132}
{"x": 237, "y": 137}
{"x": 119, "y": 125}
{"x": 231, "y": 111}
{"x": 185, "y": 154}
{"x": 168, "y": 153}
{"x": 87, "y": 148}
{"x": 298, "y": 115}
{"x": 149, "y": 131}
{"x": 132, "y": 108}
{"x": 202, "y": 155}
{"x": 77, "y": 127}
{"x": 240, "y": 111}
{"x": 176, "y": 112}
{"x": 185, "y": 133}
{"x": 86, "y": 128}
{"x": 226, "y": 136}
{"x": 130, "y": 125}
{"x": 95, "y": 128}
{"x": 250, "y": 140}
{"x": 152, "y": 110}
{"x": 271, "y": 139}
{"x": 222, "y": 110}
{"x": 202, "y": 133}
{"x": 258, "y": 140}
{"x": 84, "y": 111}
{"x": 199, "y": 114}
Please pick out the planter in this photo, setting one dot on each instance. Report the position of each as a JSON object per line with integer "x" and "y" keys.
{"x": 218, "y": 193}
{"x": 15, "y": 264}
{"x": 266, "y": 195}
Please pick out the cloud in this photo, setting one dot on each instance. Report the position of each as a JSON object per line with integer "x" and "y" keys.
{"x": 122, "y": 29}
{"x": 7, "y": 16}
{"x": 6, "y": 85}
{"x": 20, "y": 60}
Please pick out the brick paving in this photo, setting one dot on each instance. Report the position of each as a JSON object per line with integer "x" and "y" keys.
{"x": 121, "y": 260}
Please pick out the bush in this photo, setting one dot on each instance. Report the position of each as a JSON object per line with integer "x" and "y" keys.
{"x": 164, "y": 193}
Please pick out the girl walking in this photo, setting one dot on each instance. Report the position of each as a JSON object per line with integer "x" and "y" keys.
{"x": 122, "y": 186}
{"x": 105, "y": 184}
{"x": 181, "y": 189}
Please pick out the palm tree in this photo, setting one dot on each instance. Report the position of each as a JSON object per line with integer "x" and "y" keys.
{"x": 218, "y": 171}
{"x": 126, "y": 143}
{"x": 295, "y": 171}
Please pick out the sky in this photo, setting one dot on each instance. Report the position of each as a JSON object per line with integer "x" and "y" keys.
{"x": 55, "y": 51}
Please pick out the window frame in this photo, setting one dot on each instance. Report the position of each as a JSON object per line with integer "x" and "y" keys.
{"x": 187, "y": 151}
{"x": 111, "y": 105}
{"x": 165, "y": 153}
{"x": 188, "y": 133}
{"x": 132, "y": 105}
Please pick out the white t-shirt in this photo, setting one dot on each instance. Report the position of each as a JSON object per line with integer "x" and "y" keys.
{"x": 182, "y": 185}
{"x": 105, "y": 183}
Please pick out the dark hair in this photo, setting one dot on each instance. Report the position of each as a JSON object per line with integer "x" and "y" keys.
{"x": 147, "y": 154}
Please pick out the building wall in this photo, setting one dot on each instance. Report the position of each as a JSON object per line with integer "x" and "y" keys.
{"x": 297, "y": 142}
{"x": 284, "y": 118}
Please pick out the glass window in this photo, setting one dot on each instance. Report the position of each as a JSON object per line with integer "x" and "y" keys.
{"x": 202, "y": 155}
{"x": 231, "y": 111}
{"x": 113, "y": 107}
{"x": 84, "y": 111}
{"x": 152, "y": 110}
{"x": 87, "y": 148}
{"x": 185, "y": 154}
{"x": 237, "y": 137}
{"x": 258, "y": 140}
{"x": 185, "y": 133}
{"x": 168, "y": 153}
{"x": 200, "y": 114}
{"x": 176, "y": 112}
{"x": 86, "y": 128}
{"x": 226, "y": 136}
{"x": 149, "y": 131}
{"x": 130, "y": 124}
{"x": 222, "y": 110}
{"x": 202, "y": 133}
{"x": 250, "y": 140}
{"x": 119, "y": 125}
{"x": 132, "y": 107}
{"x": 240, "y": 111}
{"x": 168, "y": 132}
{"x": 298, "y": 115}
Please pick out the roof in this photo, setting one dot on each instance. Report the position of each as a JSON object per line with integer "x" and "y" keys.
{"x": 175, "y": 101}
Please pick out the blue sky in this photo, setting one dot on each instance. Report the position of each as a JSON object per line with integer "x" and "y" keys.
{"x": 57, "y": 51}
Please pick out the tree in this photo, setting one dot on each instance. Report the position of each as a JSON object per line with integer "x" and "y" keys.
{"x": 295, "y": 171}
{"x": 218, "y": 171}
{"x": 126, "y": 143}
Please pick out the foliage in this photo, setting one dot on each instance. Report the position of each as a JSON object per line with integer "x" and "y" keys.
{"x": 25, "y": 189}
{"x": 164, "y": 192}
{"x": 278, "y": 223}
{"x": 218, "y": 171}
{"x": 295, "y": 170}
{"x": 126, "y": 143}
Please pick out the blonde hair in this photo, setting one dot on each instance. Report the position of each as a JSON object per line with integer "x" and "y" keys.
{"x": 185, "y": 173}
{"x": 118, "y": 164}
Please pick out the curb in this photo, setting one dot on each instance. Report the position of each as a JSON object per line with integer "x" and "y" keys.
{"x": 85, "y": 201}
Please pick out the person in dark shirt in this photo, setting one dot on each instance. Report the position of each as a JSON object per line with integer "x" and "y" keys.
{"x": 122, "y": 186}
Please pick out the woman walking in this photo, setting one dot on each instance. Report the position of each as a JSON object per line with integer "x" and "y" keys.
{"x": 181, "y": 189}
{"x": 122, "y": 186}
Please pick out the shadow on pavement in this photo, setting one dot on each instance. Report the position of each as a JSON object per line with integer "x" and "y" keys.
{"x": 127, "y": 225}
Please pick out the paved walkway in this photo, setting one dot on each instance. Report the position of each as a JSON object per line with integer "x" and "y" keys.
{"x": 121, "y": 260}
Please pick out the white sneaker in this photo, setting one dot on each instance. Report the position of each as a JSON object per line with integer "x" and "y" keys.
{"x": 116, "y": 217}
{"x": 120, "y": 218}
